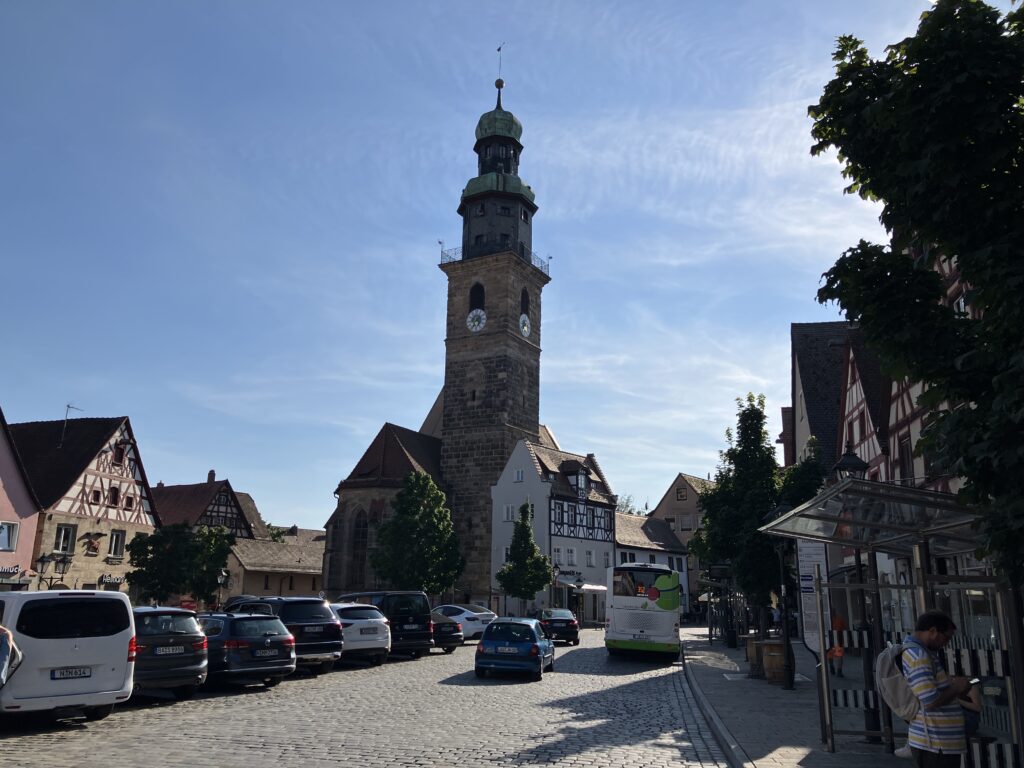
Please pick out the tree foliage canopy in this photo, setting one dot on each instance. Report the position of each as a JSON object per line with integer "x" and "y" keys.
{"x": 527, "y": 570}
{"x": 745, "y": 490}
{"x": 417, "y": 547}
{"x": 177, "y": 560}
{"x": 935, "y": 131}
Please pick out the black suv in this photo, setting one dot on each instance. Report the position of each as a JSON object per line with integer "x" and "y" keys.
{"x": 412, "y": 629}
{"x": 317, "y": 631}
{"x": 560, "y": 624}
{"x": 171, "y": 650}
{"x": 248, "y": 648}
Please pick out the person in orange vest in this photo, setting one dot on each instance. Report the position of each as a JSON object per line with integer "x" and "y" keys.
{"x": 836, "y": 652}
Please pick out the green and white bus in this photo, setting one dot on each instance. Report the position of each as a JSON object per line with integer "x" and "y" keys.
{"x": 642, "y": 609}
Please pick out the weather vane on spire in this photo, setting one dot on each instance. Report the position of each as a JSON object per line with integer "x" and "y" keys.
{"x": 499, "y": 83}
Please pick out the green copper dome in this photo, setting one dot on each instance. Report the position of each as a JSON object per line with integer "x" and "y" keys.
{"x": 498, "y": 122}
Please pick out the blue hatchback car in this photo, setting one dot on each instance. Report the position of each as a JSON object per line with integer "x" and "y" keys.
{"x": 515, "y": 645}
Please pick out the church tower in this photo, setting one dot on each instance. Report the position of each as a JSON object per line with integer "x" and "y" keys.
{"x": 492, "y": 344}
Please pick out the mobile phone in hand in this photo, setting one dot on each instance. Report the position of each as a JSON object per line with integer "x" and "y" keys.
{"x": 974, "y": 680}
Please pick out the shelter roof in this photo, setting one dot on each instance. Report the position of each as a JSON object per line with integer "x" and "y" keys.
{"x": 882, "y": 517}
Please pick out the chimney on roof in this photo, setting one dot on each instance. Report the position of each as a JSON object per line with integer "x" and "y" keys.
{"x": 160, "y": 484}
{"x": 211, "y": 476}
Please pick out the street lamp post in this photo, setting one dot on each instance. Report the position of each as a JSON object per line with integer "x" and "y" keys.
{"x": 222, "y": 579}
{"x": 555, "y": 570}
{"x": 61, "y": 563}
{"x": 579, "y": 596}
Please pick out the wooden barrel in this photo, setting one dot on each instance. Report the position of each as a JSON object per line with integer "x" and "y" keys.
{"x": 773, "y": 660}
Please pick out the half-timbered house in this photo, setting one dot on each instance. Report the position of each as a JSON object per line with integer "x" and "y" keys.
{"x": 19, "y": 516}
{"x": 92, "y": 489}
{"x": 573, "y": 522}
{"x": 212, "y": 504}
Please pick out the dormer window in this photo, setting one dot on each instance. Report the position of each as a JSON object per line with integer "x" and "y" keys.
{"x": 118, "y": 458}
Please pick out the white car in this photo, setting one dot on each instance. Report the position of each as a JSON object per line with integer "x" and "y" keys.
{"x": 78, "y": 652}
{"x": 365, "y": 632}
{"x": 474, "y": 618}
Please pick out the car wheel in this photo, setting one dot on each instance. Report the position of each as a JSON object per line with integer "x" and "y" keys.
{"x": 416, "y": 654}
{"x": 272, "y": 682}
{"x": 98, "y": 713}
{"x": 576, "y": 641}
{"x": 613, "y": 651}
{"x": 380, "y": 659}
{"x": 185, "y": 692}
{"x": 480, "y": 672}
{"x": 449, "y": 649}
{"x": 538, "y": 675}
{"x": 551, "y": 664}
{"x": 326, "y": 666}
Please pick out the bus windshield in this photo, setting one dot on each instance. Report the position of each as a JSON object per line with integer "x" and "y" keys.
{"x": 633, "y": 583}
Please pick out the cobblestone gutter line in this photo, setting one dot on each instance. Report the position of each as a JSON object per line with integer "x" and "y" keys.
{"x": 734, "y": 753}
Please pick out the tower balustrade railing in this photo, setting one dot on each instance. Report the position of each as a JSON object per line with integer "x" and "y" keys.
{"x": 486, "y": 249}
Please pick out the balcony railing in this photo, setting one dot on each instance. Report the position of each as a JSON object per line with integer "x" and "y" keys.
{"x": 486, "y": 249}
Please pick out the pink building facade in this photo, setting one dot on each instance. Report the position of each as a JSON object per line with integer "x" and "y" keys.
{"x": 19, "y": 515}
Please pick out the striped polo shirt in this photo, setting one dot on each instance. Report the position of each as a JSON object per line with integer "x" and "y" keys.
{"x": 933, "y": 730}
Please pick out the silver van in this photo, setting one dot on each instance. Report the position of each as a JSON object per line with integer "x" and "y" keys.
{"x": 79, "y": 652}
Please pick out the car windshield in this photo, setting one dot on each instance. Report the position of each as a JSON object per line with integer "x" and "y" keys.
{"x": 55, "y": 618}
{"x": 408, "y": 604}
{"x": 258, "y": 627}
{"x": 166, "y": 624}
{"x": 358, "y": 612}
{"x": 557, "y": 613}
{"x": 510, "y": 633}
{"x": 474, "y": 608}
{"x": 314, "y": 610}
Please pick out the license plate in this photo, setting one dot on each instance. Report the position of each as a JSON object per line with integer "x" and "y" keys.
{"x": 639, "y": 637}
{"x": 313, "y": 630}
{"x": 503, "y": 649}
{"x": 265, "y": 652}
{"x": 410, "y": 626}
{"x": 165, "y": 650}
{"x": 558, "y": 623}
{"x": 70, "y": 673}
{"x": 368, "y": 631}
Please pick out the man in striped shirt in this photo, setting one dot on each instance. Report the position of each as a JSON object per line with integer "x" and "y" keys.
{"x": 936, "y": 734}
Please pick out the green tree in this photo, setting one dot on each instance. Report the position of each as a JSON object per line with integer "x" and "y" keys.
{"x": 935, "y": 131}
{"x": 177, "y": 560}
{"x": 527, "y": 570}
{"x": 745, "y": 490}
{"x": 417, "y": 547}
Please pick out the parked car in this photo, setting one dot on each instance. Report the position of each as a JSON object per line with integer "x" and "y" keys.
{"x": 171, "y": 650}
{"x": 560, "y": 624}
{"x": 515, "y": 645}
{"x": 248, "y": 648}
{"x": 409, "y": 613}
{"x": 317, "y": 631}
{"x": 246, "y": 604}
{"x": 79, "y": 652}
{"x": 448, "y": 633}
{"x": 365, "y": 632}
{"x": 474, "y": 618}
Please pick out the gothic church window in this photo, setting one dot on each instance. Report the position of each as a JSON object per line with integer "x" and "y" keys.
{"x": 476, "y": 297}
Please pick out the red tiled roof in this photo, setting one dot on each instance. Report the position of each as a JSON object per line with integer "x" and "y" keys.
{"x": 185, "y": 503}
{"x": 393, "y": 454}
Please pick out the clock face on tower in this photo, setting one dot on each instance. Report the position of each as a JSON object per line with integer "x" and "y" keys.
{"x": 524, "y": 326}
{"x": 476, "y": 320}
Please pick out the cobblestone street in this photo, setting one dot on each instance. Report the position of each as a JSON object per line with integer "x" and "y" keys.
{"x": 592, "y": 711}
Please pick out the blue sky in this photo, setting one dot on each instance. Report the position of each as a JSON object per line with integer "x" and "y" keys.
{"x": 221, "y": 219}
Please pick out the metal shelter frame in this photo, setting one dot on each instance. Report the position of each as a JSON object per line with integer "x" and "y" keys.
{"x": 913, "y": 524}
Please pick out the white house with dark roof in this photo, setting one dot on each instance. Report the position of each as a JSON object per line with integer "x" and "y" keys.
{"x": 573, "y": 524}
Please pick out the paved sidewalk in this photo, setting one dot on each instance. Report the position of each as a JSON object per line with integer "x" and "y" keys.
{"x": 763, "y": 725}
